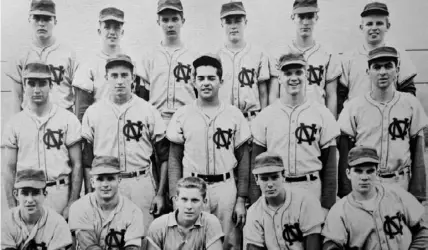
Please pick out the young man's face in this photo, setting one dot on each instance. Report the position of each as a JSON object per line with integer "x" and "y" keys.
{"x": 374, "y": 28}
{"x": 362, "y": 178}
{"x": 111, "y": 32}
{"x": 30, "y": 200}
{"x": 234, "y": 27}
{"x": 305, "y": 23}
{"x": 106, "y": 185}
{"x": 383, "y": 73}
{"x": 293, "y": 79}
{"x": 120, "y": 78}
{"x": 189, "y": 203}
{"x": 42, "y": 26}
{"x": 171, "y": 23}
{"x": 207, "y": 82}
{"x": 270, "y": 184}
{"x": 37, "y": 90}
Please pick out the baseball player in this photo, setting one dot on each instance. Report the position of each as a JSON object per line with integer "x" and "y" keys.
{"x": 32, "y": 225}
{"x": 374, "y": 216}
{"x": 129, "y": 128}
{"x": 301, "y": 131}
{"x": 188, "y": 227}
{"x": 283, "y": 217}
{"x": 44, "y": 136}
{"x": 323, "y": 67}
{"x": 105, "y": 219}
{"x": 209, "y": 139}
{"x": 246, "y": 67}
{"x": 355, "y": 82}
{"x": 167, "y": 67}
{"x": 390, "y": 121}
{"x": 45, "y": 47}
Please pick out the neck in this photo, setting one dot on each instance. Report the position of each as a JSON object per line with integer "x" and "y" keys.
{"x": 40, "y": 109}
{"x": 382, "y": 95}
{"x": 292, "y": 100}
{"x": 364, "y": 196}
{"x": 185, "y": 223}
{"x": 31, "y": 219}
{"x": 172, "y": 43}
{"x": 44, "y": 42}
{"x": 108, "y": 205}
{"x": 371, "y": 46}
{"x": 120, "y": 99}
{"x": 278, "y": 200}
{"x": 215, "y": 102}
{"x": 111, "y": 50}
{"x": 236, "y": 45}
{"x": 304, "y": 42}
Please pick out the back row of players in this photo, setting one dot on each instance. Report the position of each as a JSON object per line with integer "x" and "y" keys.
{"x": 189, "y": 128}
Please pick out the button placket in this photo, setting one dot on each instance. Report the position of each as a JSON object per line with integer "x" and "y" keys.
{"x": 122, "y": 148}
{"x": 292, "y": 149}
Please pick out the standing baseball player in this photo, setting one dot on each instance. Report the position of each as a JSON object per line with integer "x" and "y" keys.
{"x": 209, "y": 139}
{"x": 167, "y": 67}
{"x": 105, "y": 219}
{"x": 44, "y": 136}
{"x": 390, "y": 121}
{"x": 374, "y": 216}
{"x": 323, "y": 66}
{"x": 188, "y": 227}
{"x": 129, "y": 128}
{"x": 246, "y": 67}
{"x": 45, "y": 47}
{"x": 31, "y": 225}
{"x": 301, "y": 131}
{"x": 283, "y": 217}
{"x": 355, "y": 82}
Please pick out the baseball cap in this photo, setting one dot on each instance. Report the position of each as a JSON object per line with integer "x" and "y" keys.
{"x": 362, "y": 154}
{"x": 105, "y": 165}
{"x": 170, "y": 4}
{"x": 232, "y": 8}
{"x": 36, "y": 70}
{"x": 305, "y": 6}
{"x": 374, "y": 8}
{"x": 381, "y": 52}
{"x": 291, "y": 58}
{"x": 208, "y": 59}
{"x": 32, "y": 178}
{"x": 42, "y": 7}
{"x": 120, "y": 58}
{"x": 268, "y": 162}
{"x": 112, "y": 13}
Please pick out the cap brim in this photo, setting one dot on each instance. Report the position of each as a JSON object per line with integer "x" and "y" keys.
{"x": 233, "y": 13}
{"x": 379, "y": 56}
{"x": 374, "y": 12}
{"x": 362, "y": 160}
{"x": 113, "y": 18}
{"x": 305, "y": 10}
{"x": 37, "y": 75}
{"x": 169, "y": 8}
{"x": 42, "y": 13}
{"x": 30, "y": 184}
{"x": 295, "y": 62}
{"x": 267, "y": 169}
{"x": 104, "y": 170}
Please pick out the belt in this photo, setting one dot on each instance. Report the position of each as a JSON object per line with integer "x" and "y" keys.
{"x": 308, "y": 177}
{"x": 403, "y": 171}
{"x": 62, "y": 181}
{"x": 251, "y": 113}
{"x": 213, "y": 178}
{"x": 133, "y": 174}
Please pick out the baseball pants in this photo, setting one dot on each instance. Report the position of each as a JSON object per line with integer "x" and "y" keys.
{"x": 400, "y": 180}
{"x": 57, "y": 197}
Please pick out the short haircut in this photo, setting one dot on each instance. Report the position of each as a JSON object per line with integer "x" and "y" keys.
{"x": 120, "y": 63}
{"x": 208, "y": 61}
{"x": 192, "y": 182}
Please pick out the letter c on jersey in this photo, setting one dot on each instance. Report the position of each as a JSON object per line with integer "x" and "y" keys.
{"x": 315, "y": 74}
{"x": 32, "y": 245}
{"x": 398, "y": 128}
{"x": 246, "y": 77}
{"x": 182, "y": 72}
{"x": 115, "y": 239}
{"x": 392, "y": 225}
{"x": 57, "y": 73}
{"x": 292, "y": 233}
{"x": 53, "y": 139}
{"x": 303, "y": 135}
{"x": 133, "y": 130}
{"x": 222, "y": 138}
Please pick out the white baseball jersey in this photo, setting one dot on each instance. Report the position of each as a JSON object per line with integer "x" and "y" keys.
{"x": 164, "y": 233}
{"x": 127, "y": 132}
{"x": 299, "y": 216}
{"x": 123, "y": 227}
{"x": 387, "y": 127}
{"x": 354, "y": 66}
{"x": 50, "y": 231}
{"x": 242, "y": 73}
{"x": 209, "y": 143}
{"x": 296, "y": 133}
{"x": 323, "y": 67}
{"x": 43, "y": 142}
{"x": 62, "y": 62}
{"x": 385, "y": 225}
{"x": 170, "y": 78}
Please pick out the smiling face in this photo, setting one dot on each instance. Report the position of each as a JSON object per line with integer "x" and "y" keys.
{"x": 305, "y": 23}
{"x": 42, "y": 26}
{"x": 383, "y": 73}
{"x": 171, "y": 22}
{"x": 30, "y": 200}
{"x": 207, "y": 82}
{"x": 362, "y": 178}
{"x": 190, "y": 203}
{"x": 106, "y": 185}
{"x": 374, "y": 28}
{"x": 111, "y": 32}
{"x": 293, "y": 79}
{"x": 271, "y": 184}
{"x": 234, "y": 27}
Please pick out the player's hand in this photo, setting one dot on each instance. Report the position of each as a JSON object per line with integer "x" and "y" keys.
{"x": 65, "y": 212}
{"x": 157, "y": 206}
{"x": 239, "y": 213}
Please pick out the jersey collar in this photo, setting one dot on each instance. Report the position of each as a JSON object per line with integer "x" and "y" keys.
{"x": 380, "y": 193}
{"x": 199, "y": 110}
{"x": 380, "y": 105}
{"x": 116, "y": 210}
{"x": 51, "y": 47}
{"x": 287, "y": 202}
{"x": 35, "y": 118}
{"x": 20, "y": 222}
{"x": 172, "y": 219}
{"x": 293, "y": 46}
{"x": 231, "y": 53}
{"x": 288, "y": 109}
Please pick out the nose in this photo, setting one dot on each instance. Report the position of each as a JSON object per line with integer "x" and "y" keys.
{"x": 382, "y": 70}
{"x": 188, "y": 205}
{"x": 30, "y": 198}
{"x": 364, "y": 176}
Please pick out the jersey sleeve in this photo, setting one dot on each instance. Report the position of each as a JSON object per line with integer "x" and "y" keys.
{"x": 346, "y": 120}
{"x": 84, "y": 78}
{"x": 344, "y": 65}
{"x": 156, "y": 232}
{"x": 334, "y": 69}
{"x": 419, "y": 117}
{"x": 311, "y": 215}
{"x": 407, "y": 68}
{"x": 8, "y": 234}
{"x": 14, "y": 70}
{"x": 214, "y": 231}
{"x": 135, "y": 230}
{"x": 80, "y": 218}
{"x": 413, "y": 209}
{"x": 158, "y": 129}
{"x": 258, "y": 129}
{"x": 74, "y": 131}
{"x": 253, "y": 229}
{"x": 330, "y": 130}
{"x": 334, "y": 228}
{"x": 243, "y": 132}
{"x": 175, "y": 132}
{"x": 143, "y": 67}
{"x": 62, "y": 236}
{"x": 9, "y": 138}
{"x": 264, "y": 71}
{"x": 87, "y": 126}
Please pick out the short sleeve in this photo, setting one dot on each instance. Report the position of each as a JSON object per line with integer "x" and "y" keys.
{"x": 135, "y": 231}
{"x": 330, "y": 130}
{"x": 87, "y": 126}
{"x": 419, "y": 117}
{"x": 346, "y": 120}
{"x": 264, "y": 71}
{"x": 345, "y": 69}
{"x": 158, "y": 129}
{"x": 7, "y": 233}
{"x": 334, "y": 228}
{"x": 253, "y": 229}
{"x": 62, "y": 235}
{"x": 273, "y": 65}
{"x": 79, "y": 218}
{"x": 311, "y": 215}
{"x": 214, "y": 231}
{"x": 14, "y": 70}
{"x": 175, "y": 132}
{"x": 9, "y": 138}
{"x": 334, "y": 70}
{"x": 74, "y": 131}
{"x": 143, "y": 67}
{"x": 258, "y": 129}
{"x": 156, "y": 232}
{"x": 243, "y": 132}
{"x": 407, "y": 68}
{"x": 84, "y": 78}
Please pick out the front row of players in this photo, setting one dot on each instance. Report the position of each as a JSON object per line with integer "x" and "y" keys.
{"x": 372, "y": 216}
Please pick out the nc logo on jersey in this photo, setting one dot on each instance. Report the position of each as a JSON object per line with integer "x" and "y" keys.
{"x": 393, "y": 225}
{"x": 32, "y": 245}
{"x": 57, "y": 73}
{"x": 398, "y": 128}
{"x": 133, "y": 130}
{"x": 246, "y": 77}
{"x": 315, "y": 74}
{"x": 292, "y": 233}
{"x": 115, "y": 239}
{"x": 223, "y": 138}
{"x": 305, "y": 133}
{"x": 53, "y": 139}
{"x": 182, "y": 72}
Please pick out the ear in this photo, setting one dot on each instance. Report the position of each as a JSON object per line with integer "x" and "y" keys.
{"x": 55, "y": 20}
{"x": 292, "y": 16}
{"x": 388, "y": 25}
{"x": 105, "y": 76}
{"x": 15, "y": 194}
{"x": 367, "y": 71}
{"x": 361, "y": 27}
{"x": 348, "y": 173}
{"x": 257, "y": 179}
{"x": 184, "y": 20}
{"x": 205, "y": 200}
{"x": 157, "y": 21}
{"x": 99, "y": 31}
{"x": 92, "y": 181}
{"x": 123, "y": 32}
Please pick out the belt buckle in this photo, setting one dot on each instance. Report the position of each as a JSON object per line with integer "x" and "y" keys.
{"x": 224, "y": 176}
{"x": 308, "y": 177}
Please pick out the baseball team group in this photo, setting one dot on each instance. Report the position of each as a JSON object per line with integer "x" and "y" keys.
{"x": 229, "y": 149}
